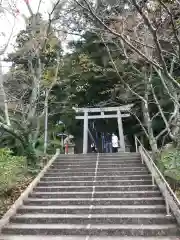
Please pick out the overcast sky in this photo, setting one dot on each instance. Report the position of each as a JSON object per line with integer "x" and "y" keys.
{"x": 7, "y": 20}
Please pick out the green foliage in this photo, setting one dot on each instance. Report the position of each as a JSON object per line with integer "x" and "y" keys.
{"x": 54, "y": 144}
{"x": 13, "y": 170}
{"x": 170, "y": 164}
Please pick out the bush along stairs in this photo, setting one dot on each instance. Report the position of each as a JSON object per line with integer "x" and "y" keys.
{"x": 93, "y": 197}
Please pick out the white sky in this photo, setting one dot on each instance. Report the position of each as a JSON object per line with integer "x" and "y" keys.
{"x": 7, "y": 21}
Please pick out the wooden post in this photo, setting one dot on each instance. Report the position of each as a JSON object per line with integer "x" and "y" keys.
{"x": 85, "y": 136}
{"x": 120, "y": 128}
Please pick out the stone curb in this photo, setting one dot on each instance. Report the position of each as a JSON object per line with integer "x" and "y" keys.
{"x": 19, "y": 202}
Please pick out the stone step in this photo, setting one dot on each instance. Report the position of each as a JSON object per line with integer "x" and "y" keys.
{"x": 55, "y": 188}
{"x": 114, "y": 164}
{"x": 104, "y": 154}
{"x": 93, "y": 162}
{"x": 108, "y": 158}
{"x": 77, "y": 209}
{"x": 80, "y": 195}
{"x": 130, "y": 168}
{"x": 131, "y": 154}
{"x": 99, "y": 170}
{"x": 90, "y": 229}
{"x": 71, "y": 202}
{"x": 93, "y": 219}
{"x": 100, "y": 157}
{"x": 52, "y": 237}
{"x": 92, "y": 170}
{"x": 99, "y": 174}
{"x": 100, "y": 164}
{"x": 112, "y": 183}
{"x": 144, "y": 176}
{"x": 113, "y": 155}
{"x": 104, "y": 159}
{"x": 96, "y": 202}
{"x": 56, "y": 177}
{"x": 119, "y": 156}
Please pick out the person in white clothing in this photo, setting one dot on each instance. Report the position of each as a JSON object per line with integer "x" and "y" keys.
{"x": 114, "y": 143}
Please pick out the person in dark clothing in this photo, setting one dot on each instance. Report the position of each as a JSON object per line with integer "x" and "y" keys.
{"x": 93, "y": 148}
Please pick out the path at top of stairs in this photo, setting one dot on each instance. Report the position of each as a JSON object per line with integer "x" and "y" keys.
{"x": 82, "y": 198}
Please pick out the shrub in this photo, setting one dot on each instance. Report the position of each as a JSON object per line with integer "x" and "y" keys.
{"x": 170, "y": 164}
{"x": 13, "y": 170}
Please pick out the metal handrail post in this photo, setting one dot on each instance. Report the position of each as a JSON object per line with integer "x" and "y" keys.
{"x": 140, "y": 150}
{"x": 153, "y": 180}
{"x": 167, "y": 205}
{"x": 136, "y": 143}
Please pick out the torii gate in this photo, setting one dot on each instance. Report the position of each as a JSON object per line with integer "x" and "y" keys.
{"x": 121, "y": 112}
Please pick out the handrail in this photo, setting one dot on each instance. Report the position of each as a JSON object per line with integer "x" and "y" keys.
{"x": 167, "y": 189}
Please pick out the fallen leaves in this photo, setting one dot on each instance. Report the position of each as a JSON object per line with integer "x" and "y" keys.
{"x": 11, "y": 195}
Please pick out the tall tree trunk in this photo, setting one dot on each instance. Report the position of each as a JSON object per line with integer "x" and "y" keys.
{"x": 46, "y": 124}
{"x": 148, "y": 123}
{"x": 5, "y": 102}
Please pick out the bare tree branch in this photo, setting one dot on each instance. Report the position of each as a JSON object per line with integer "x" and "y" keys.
{"x": 29, "y": 8}
{"x": 174, "y": 28}
{"x": 156, "y": 40}
{"x": 140, "y": 123}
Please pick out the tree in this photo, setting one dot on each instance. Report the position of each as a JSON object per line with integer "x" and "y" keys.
{"x": 35, "y": 66}
{"x": 139, "y": 32}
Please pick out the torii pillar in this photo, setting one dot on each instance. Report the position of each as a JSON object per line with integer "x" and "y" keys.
{"x": 121, "y": 132}
{"x": 85, "y": 133}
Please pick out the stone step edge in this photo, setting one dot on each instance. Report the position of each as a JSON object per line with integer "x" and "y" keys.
{"x": 64, "y": 174}
{"x": 52, "y": 237}
{"x": 47, "y": 215}
{"x": 145, "y": 175}
{"x": 90, "y": 199}
{"x": 101, "y": 186}
{"x": 101, "y": 162}
{"x": 103, "y": 192}
{"x": 90, "y": 226}
{"x": 92, "y": 207}
{"x": 92, "y": 169}
{"x": 135, "y": 170}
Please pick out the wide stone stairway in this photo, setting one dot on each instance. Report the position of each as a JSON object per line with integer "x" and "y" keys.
{"x": 93, "y": 197}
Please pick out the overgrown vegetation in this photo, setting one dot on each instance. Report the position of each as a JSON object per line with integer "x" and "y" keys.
{"x": 169, "y": 164}
{"x": 14, "y": 177}
{"x": 11, "y": 164}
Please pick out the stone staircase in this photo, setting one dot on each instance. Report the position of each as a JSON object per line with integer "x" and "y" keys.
{"x": 82, "y": 197}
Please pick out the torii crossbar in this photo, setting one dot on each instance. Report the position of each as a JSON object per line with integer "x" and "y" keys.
{"x": 121, "y": 112}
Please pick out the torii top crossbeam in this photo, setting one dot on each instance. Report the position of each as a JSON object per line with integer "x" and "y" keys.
{"x": 123, "y": 108}
{"x": 121, "y": 111}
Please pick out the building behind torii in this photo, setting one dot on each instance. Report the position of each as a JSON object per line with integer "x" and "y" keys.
{"x": 102, "y": 113}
